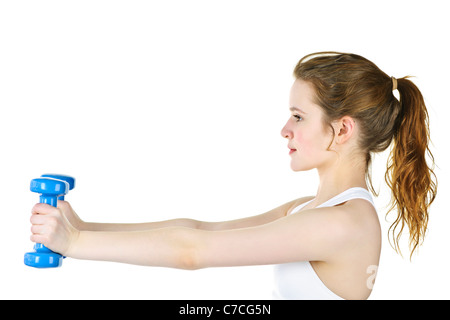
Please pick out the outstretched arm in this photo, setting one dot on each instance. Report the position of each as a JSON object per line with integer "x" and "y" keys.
{"x": 317, "y": 234}
{"x": 269, "y": 216}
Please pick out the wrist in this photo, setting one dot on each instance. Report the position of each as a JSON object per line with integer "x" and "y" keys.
{"x": 82, "y": 226}
{"x": 74, "y": 243}
{"x": 87, "y": 245}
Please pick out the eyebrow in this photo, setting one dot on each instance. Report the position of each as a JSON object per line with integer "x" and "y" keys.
{"x": 294, "y": 108}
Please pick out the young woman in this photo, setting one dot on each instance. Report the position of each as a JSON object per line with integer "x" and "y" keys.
{"x": 324, "y": 247}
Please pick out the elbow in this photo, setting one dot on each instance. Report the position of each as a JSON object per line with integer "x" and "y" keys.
{"x": 188, "y": 260}
{"x": 189, "y": 253}
{"x": 176, "y": 247}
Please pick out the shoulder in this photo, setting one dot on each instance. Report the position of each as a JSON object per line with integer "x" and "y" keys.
{"x": 360, "y": 213}
{"x": 342, "y": 226}
{"x": 358, "y": 221}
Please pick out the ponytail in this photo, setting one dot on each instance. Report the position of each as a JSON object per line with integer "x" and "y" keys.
{"x": 412, "y": 181}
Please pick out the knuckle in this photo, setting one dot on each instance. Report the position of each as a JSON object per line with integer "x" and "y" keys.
{"x": 35, "y": 238}
{"x": 41, "y": 208}
{"x": 52, "y": 222}
{"x": 63, "y": 204}
{"x": 38, "y": 206}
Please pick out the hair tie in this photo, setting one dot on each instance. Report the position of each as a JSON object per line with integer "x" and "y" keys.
{"x": 394, "y": 83}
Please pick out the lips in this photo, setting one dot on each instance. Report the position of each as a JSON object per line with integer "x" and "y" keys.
{"x": 291, "y": 150}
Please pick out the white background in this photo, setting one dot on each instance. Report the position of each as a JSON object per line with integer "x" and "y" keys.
{"x": 165, "y": 109}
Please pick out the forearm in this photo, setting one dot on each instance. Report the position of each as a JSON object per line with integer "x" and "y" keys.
{"x": 165, "y": 247}
{"x": 193, "y": 224}
{"x": 94, "y": 226}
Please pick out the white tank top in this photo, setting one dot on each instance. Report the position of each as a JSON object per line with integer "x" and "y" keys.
{"x": 298, "y": 280}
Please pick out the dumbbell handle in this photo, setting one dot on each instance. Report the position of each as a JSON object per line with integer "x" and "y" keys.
{"x": 51, "y": 200}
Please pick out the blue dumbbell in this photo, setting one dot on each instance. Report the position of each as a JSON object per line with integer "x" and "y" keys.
{"x": 70, "y": 180}
{"x": 50, "y": 189}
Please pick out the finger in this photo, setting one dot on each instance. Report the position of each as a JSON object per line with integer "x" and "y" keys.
{"x": 37, "y": 238}
{"x": 65, "y": 207}
{"x": 37, "y": 229}
{"x": 37, "y": 219}
{"x": 42, "y": 208}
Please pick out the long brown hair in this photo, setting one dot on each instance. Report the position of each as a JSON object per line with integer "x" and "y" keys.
{"x": 348, "y": 84}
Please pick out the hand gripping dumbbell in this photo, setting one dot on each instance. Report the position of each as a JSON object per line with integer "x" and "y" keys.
{"x": 50, "y": 189}
{"x": 70, "y": 180}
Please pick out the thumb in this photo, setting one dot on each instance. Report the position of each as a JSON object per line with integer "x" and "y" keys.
{"x": 42, "y": 208}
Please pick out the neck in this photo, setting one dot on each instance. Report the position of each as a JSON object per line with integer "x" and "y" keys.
{"x": 340, "y": 176}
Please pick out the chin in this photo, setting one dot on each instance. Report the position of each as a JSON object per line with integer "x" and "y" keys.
{"x": 302, "y": 164}
{"x": 298, "y": 168}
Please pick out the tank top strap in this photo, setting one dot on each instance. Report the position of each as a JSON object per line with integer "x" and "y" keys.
{"x": 349, "y": 194}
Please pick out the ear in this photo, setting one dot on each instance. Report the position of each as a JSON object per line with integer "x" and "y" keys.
{"x": 344, "y": 129}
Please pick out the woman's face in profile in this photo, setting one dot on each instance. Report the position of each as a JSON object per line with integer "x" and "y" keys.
{"x": 308, "y": 139}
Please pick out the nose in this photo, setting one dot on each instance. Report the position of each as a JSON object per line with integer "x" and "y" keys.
{"x": 286, "y": 132}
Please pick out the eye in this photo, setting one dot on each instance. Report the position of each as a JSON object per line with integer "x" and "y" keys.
{"x": 297, "y": 117}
